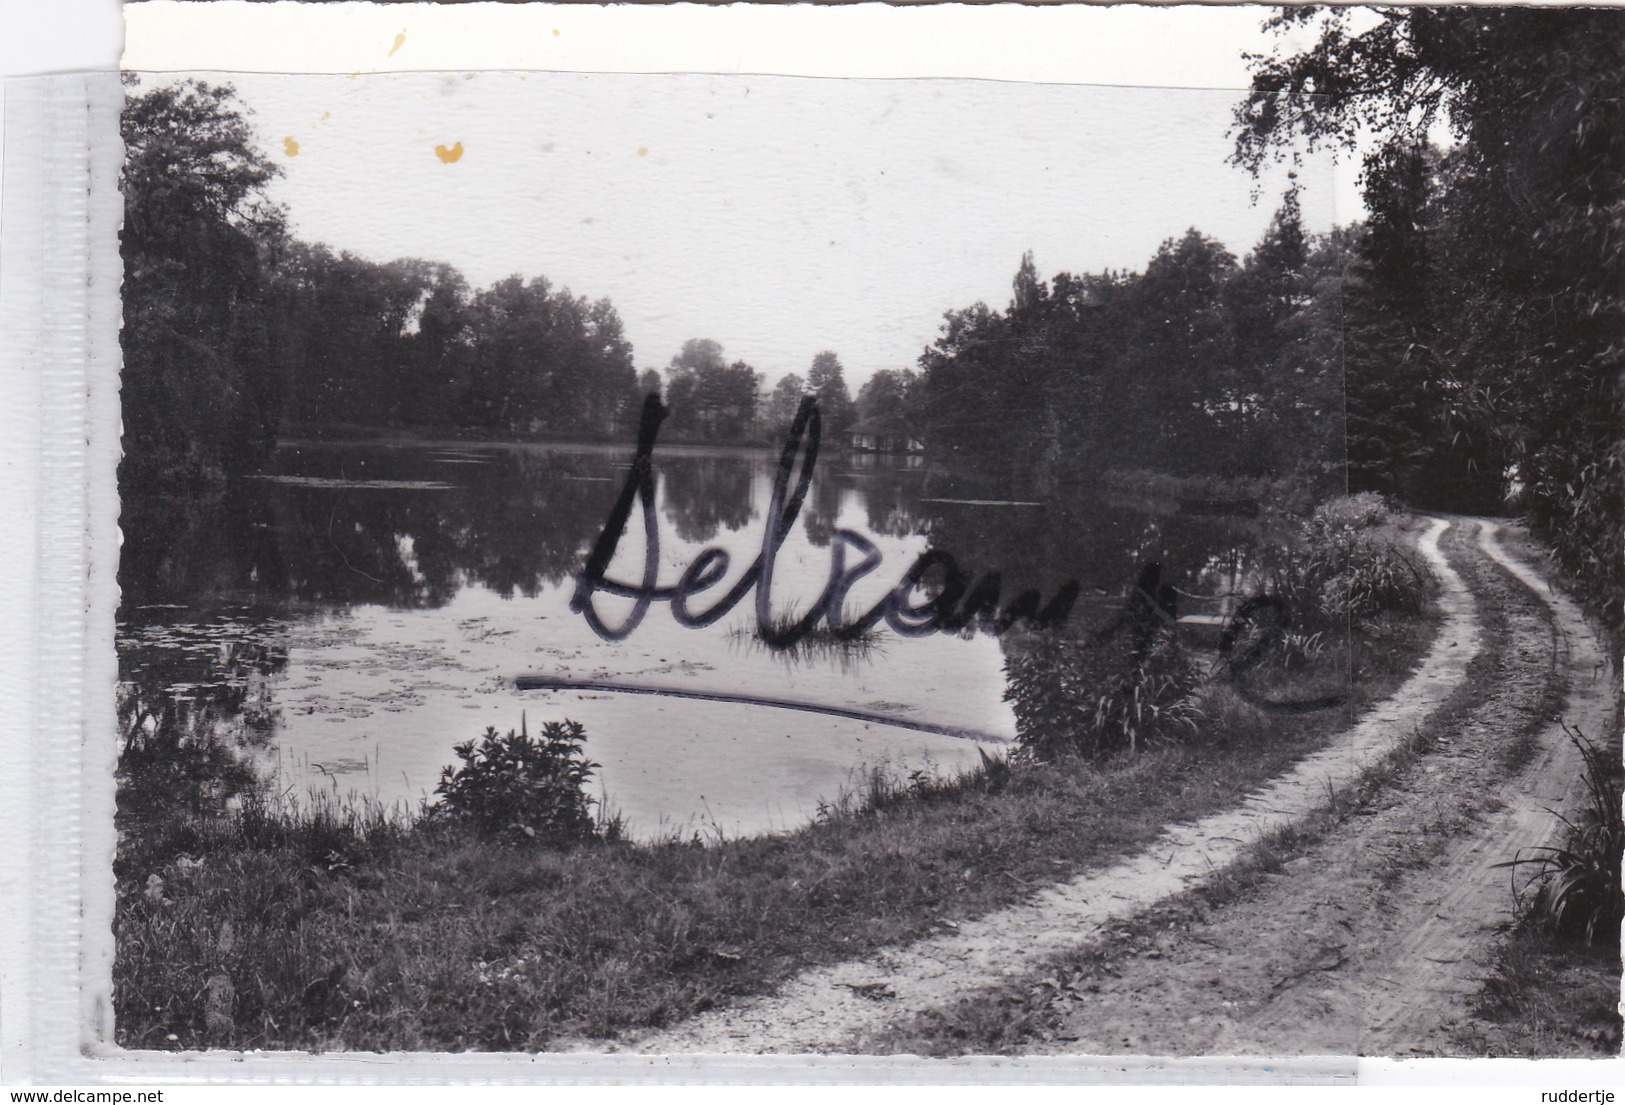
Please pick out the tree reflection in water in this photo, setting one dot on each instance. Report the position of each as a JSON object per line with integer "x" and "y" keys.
{"x": 195, "y": 708}
{"x": 704, "y": 495}
{"x": 214, "y": 586}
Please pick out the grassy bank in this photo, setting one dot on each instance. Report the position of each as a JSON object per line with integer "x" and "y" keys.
{"x": 343, "y": 927}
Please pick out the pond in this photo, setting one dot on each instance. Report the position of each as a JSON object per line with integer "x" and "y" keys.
{"x": 345, "y": 619}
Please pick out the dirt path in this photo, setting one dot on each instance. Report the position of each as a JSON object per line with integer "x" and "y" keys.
{"x": 842, "y": 1008}
{"x": 1463, "y": 901}
{"x": 1374, "y": 941}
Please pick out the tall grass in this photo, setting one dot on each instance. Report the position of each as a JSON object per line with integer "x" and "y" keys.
{"x": 1577, "y": 884}
{"x": 1134, "y": 685}
{"x": 1097, "y": 698}
{"x": 1346, "y": 566}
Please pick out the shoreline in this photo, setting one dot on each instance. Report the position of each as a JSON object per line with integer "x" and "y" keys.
{"x": 606, "y": 937}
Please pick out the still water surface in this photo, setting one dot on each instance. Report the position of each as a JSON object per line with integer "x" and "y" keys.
{"x": 348, "y": 619}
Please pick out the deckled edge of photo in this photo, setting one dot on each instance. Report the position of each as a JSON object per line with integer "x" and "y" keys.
{"x": 59, "y": 303}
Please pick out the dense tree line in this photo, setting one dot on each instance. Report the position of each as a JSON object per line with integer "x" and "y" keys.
{"x": 1201, "y": 364}
{"x": 1476, "y": 313}
{"x": 1487, "y": 302}
{"x": 236, "y": 331}
{"x": 199, "y": 246}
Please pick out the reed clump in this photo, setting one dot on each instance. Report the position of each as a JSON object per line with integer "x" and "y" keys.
{"x": 846, "y": 649}
{"x": 1133, "y": 683}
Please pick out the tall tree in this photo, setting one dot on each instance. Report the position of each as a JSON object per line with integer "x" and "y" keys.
{"x": 439, "y": 345}
{"x": 347, "y": 355}
{"x": 548, "y": 362}
{"x": 1393, "y": 364}
{"x": 1176, "y": 381}
{"x": 827, "y": 380}
{"x": 783, "y": 404}
{"x": 890, "y": 394}
{"x": 961, "y": 376}
{"x": 200, "y": 395}
{"x": 698, "y": 358}
{"x": 711, "y": 400}
{"x": 1266, "y": 300}
{"x": 606, "y": 374}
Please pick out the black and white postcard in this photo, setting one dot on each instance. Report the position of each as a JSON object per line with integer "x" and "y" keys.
{"x": 693, "y": 563}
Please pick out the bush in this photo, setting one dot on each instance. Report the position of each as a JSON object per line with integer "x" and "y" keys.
{"x": 1362, "y": 511}
{"x": 1344, "y": 569}
{"x": 1375, "y": 577}
{"x": 1097, "y": 698}
{"x": 522, "y": 789}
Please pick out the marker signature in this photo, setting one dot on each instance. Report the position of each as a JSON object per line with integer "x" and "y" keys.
{"x": 934, "y": 595}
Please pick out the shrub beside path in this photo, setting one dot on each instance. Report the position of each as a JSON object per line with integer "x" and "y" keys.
{"x": 832, "y": 1009}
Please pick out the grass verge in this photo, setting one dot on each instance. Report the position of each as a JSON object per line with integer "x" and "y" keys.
{"x": 1548, "y": 998}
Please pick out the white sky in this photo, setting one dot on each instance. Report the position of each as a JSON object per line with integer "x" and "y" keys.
{"x": 778, "y": 215}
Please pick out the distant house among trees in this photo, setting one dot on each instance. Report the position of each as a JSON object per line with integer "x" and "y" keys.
{"x": 888, "y": 415}
{"x": 882, "y": 435}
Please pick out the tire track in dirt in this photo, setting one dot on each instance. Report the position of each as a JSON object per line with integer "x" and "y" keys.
{"x": 832, "y": 1008}
{"x": 1440, "y": 962}
{"x": 1375, "y": 939}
